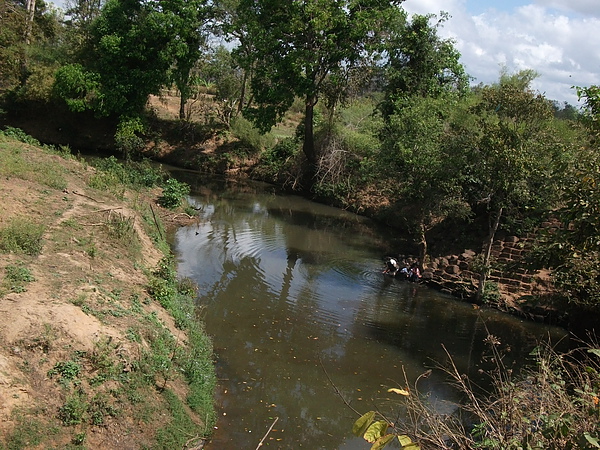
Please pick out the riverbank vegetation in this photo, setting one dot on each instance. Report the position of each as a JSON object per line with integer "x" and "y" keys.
{"x": 102, "y": 347}
{"x": 353, "y": 103}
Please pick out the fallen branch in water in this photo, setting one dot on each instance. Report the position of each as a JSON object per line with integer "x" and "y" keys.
{"x": 267, "y": 433}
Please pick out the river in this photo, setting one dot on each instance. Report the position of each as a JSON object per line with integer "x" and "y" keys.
{"x": 303, "y": 320}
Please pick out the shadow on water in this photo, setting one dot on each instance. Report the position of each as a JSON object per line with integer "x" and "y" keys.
{"x": 292, "y": 288}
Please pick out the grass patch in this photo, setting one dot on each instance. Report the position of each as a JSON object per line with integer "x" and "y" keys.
{"x": 122, "y": 229}
{"x": 114, "y": 176}
{"x": 27, "y": 433}
{"x": 179, "y": 430}
{"x": 17, "y": 161}
{"x": 21, "y": 235}
{"x": 15, "y": 279}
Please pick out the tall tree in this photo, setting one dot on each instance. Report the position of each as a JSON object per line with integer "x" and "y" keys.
{"x": 510, "y": 154}
{"x": 425, "y": 181}
{"x": 299, "y": 44}
{"x": 573, "y": 250}
{"x": 424, "y": 81}
{"x": 134, "y": 49}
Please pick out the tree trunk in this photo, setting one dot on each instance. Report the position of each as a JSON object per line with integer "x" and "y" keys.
{"x": 30, "y": 5}
{"x": 422, "y": 245}
{"x": 28, "y": 31}
{"x": 487, "y": 250}
{"x": 182, "y": 102}
{"x": 240, "y": 106}
{"x": 309, "y": 138}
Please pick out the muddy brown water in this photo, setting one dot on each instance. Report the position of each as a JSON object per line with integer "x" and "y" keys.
{"x": 300, "y": 315}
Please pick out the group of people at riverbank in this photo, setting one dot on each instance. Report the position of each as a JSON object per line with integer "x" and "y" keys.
{"x": 403, "y": 270}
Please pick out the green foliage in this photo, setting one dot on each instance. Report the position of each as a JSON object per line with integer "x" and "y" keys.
{"x": 78, "y": 88}
{"x": 491, "y": 294}
{"x": 19, "y": 135}
{"x": 421, "y": 64}
{"x": 190, "y": 20}
{"x": 75, "y": 409}
{"x": 250, "y": 137}
{"x": 174, "y": 434}
{"x": 135, "y": 48}
{"x": 591, "y": 98}
{"x": 419, "y": 172}
{"x": 99, "y": 408}
{"x": 275, "y": 160}
{"x": 573, "y": 250}
{"x": 26, "y": 52}
{"x": 300, "y": 46}
{"x": 114, "y": 176}
{"x": 174, "y": 192}
{"x": 20, "y": 235}
{"x": 178, "y": 297}
{"x": 68, "y": 370}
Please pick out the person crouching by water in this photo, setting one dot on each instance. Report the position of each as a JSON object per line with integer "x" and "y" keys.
{"x": 391, "y": 267}
{"x": 404, "y": 273}
{"x": 415, "y": 273}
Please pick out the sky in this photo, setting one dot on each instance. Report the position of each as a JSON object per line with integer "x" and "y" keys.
{"x": 559, "y": 39}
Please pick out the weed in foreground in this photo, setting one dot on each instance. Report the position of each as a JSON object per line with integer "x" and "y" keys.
{"x": 551, "y": 405}
{"x": 173, "y": 194}
{"x": 75, "y": 409}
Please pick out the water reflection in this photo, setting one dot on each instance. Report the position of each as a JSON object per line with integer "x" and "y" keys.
{"x": 291, "y": 288}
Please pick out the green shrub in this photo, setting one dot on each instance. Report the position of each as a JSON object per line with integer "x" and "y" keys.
{"x": 113, "y": 174}
{"x": 79, "y": 88}
{"x": 21, "y": 136}
{"x": 74, "y": 411}
{"x": 173, "y": 193}
{"x": 68, "y": 370}
{"x": 274, "y": 160}
{"x": 249, "y": 136}
{"x": 126, "y": 137}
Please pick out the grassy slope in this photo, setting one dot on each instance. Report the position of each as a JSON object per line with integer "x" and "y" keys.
{"x": 88, "y": 358}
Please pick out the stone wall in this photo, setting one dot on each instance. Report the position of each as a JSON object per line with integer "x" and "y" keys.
{"x": 454, "y": 273}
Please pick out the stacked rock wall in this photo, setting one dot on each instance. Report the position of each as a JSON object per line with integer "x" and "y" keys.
{"x": 455, "y": 273}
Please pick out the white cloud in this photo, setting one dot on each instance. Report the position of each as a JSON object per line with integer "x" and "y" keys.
{"x": 562, "y": 48}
